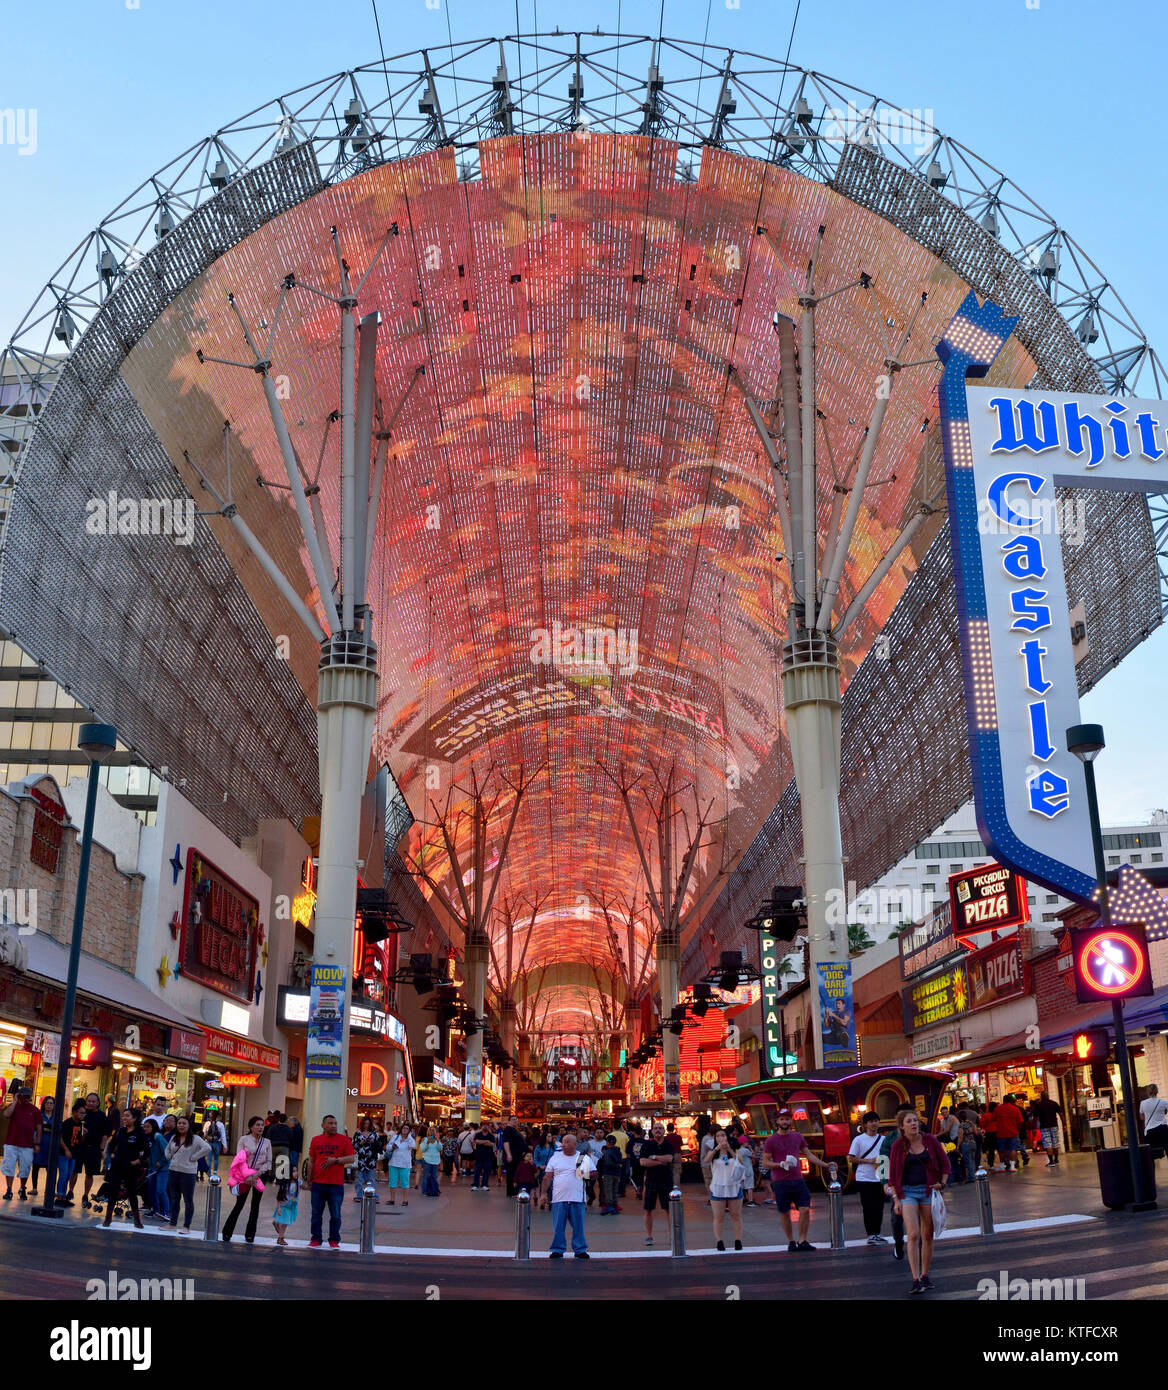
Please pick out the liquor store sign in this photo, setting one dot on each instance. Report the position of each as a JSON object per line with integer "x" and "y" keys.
{"x": 935, "y": 999}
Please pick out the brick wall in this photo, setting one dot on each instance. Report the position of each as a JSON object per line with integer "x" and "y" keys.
{"x": 113, "y": 900}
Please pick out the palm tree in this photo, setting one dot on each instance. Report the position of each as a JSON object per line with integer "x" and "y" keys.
{"x": 858, "y": 939}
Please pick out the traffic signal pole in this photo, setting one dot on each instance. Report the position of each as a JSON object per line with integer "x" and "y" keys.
{"x": 50, "y": 1207}
{"x": 1142, "y": 1201}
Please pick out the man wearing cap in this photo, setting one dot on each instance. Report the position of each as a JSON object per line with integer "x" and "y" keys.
{"x": 22, "y": 1140}
{"x": 781, "y": 1154}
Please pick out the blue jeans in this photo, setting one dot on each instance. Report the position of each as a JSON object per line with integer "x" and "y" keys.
{"x": 481, "y": 1177}
{"x": 430, "y": 1180}
{"x": 572, "y": 1212}
{"x": 64, "y": 1173}
{"x": 334, "y": 1194}
{"x": 156, "y": 1192}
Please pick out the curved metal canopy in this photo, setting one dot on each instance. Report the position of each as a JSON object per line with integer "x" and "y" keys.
{"x": 575, "y": 558}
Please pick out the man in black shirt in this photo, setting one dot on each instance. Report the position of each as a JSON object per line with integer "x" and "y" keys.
{"x": 656, "y": 1159}
{"x": 280, "y": 1137}
{"x": 514, "y": 1147}
{"x": 1047, "y": 1113}
{"x": 88, "y": 1156}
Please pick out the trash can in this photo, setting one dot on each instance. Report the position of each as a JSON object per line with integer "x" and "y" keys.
{"x": 1115, "y": 1176}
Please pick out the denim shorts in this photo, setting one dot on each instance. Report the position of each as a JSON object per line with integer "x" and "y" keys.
{"x": 918, "y": 1193}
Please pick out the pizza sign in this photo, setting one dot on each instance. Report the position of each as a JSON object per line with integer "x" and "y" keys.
{"x": 987, "y": 900}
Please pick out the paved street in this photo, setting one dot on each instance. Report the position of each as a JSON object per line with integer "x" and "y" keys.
{"x": 1050, "y": 1226}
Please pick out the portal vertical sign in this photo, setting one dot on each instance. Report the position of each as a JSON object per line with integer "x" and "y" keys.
{"x": 773, "y": 1052}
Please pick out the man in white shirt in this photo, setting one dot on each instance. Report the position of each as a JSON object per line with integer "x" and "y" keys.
{"x": 1154, "y": 1114}
{"x": 564, "y": 1176}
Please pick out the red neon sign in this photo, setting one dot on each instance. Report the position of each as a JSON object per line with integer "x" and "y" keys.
{"x": 1111, "y": 963}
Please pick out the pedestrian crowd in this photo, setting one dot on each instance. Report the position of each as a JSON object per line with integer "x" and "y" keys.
{"x": 152, "y": 1162}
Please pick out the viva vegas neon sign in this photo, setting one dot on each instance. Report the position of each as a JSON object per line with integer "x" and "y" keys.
{"x": 1006, "y": 452}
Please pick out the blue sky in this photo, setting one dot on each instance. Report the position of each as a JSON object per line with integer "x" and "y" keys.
{"x": 1063, "y": 95}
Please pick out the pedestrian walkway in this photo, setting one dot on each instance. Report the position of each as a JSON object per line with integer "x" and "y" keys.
{"x": 460, "y": 1222}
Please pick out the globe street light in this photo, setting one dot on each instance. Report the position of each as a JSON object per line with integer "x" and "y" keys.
{"x": 1086, "y": 742}
{"x": 97, "y": 742}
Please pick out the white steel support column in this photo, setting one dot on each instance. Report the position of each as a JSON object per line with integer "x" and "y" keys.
{"x": 667, "y": 973}
{"x": 346, "y": 702}
{"x": 811, "y": 695}
{"x": 476, "y": 993}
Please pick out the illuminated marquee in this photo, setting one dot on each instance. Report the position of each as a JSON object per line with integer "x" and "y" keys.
{"x": 1005, "y": 523}
{"x": 773, "y": 1051}
{"x": 220, "y": 930}
{"x": 986, "y": 900}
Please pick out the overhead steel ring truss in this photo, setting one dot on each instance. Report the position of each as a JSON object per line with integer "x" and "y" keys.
{"x": 876, "y": 154}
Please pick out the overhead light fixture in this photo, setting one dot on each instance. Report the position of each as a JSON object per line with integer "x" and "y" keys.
{"x": 936, "y": 176}
{"x": 1086, "y": 741}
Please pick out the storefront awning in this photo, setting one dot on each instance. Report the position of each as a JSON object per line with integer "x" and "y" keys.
{"x": 1059, "y": 1030}
{"x": 1147, "y": 1013}
{"x": 890, "y": 1005}
{"x": 1001, "y": 1050}
{"x": 99, "y": 981}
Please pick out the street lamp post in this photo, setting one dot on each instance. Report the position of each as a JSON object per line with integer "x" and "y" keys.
{"x": 1086, "y": 742}
{"x": 97, "y": 742}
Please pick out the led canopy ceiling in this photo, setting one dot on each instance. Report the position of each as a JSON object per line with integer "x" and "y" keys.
{"x": 575, "y": 567}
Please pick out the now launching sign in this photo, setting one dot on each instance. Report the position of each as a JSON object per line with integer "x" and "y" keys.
{"x": 1006, "y": 454}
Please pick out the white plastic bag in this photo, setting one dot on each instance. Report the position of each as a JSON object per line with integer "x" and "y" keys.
{"x": 938, "y": 1206}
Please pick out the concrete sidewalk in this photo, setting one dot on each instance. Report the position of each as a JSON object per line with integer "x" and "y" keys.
{"x": 462, "y": 1222}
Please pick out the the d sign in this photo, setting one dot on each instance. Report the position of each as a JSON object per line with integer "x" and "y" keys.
{"x": 374, "y": 1079}
{"x": 1006, "y": 453}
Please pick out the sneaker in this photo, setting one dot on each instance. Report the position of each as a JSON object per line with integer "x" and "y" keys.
{"x": 334, "y": 1244}
{"x": 877, "y": 1240}
{"x": 314, "y": 1244}
{"x": 804, "y": 1245}
{"x": 648, "y": 1240}
{"x": 926, "y": 1282}
{"x": 916, "y": 1287}
{"x": 186, "y": 1230}
{"x": 23, "y": 1195}
{"x": 720, "y": 1246}
{"x": 85, "y": 1202}
{"x": 583, "y": 1255}
{"x": 792, "y": 1246}
{"x": 556, "y": 1255}
{"x": 738, "y": 1245}
{"x": 7, "y": 1197}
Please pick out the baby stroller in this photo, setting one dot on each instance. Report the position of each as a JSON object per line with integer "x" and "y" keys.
{"x": 105, "y": 1192}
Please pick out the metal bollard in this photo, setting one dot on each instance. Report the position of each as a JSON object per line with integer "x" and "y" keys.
{"x": 835, "y": 1214}
{"x": 368, "y": 1218}
{"x": 676, "y": 1223}
{"x": 523, "y": 1226}
{"x": 214, "y": 1201}
{"x": 985, "y": 1207}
